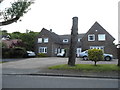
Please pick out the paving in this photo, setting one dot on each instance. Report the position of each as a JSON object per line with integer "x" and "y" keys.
{"x": 39, "y": 66}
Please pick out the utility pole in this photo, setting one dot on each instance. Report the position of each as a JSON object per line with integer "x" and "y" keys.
{"x": 73, "y": 43}
{"x": 118, "y": 46}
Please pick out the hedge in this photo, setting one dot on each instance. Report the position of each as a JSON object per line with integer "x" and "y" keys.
{"x": 17, "y": 52}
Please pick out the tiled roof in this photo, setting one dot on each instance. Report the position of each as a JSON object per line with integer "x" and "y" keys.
{"x": 59, "y": 38}
{"x": 55, "y": 37}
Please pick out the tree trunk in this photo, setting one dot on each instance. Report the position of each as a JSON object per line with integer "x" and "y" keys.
{"x": 9, "y": 21}
{"x": 95, "y": 63}
{"x": 118, "y": 54}
{"x": 73, "y": 43}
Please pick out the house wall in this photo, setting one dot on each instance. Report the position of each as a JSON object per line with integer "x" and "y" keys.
{"x": 109, "y": 47}
{"x": 48, "y": 45}
{"x": 51, "y": 46}
{"x": 84, "y": 44}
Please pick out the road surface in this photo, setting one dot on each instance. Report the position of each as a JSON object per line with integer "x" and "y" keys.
{"x": 29, "y": 81}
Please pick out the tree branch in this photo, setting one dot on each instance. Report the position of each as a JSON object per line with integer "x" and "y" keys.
{"x": 1, "y": 1}
{"x": 9, "y": 21}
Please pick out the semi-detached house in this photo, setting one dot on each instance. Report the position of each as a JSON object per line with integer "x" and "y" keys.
{"x": 50, "y": 43}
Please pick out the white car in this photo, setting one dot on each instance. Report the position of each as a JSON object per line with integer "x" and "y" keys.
{"x": 31, "y": 54}
{"x": 62, "y": 54}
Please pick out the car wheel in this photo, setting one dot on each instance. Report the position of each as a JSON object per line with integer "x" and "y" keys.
{"x": 85, "y": 58}
{"x": 107, "y": 58}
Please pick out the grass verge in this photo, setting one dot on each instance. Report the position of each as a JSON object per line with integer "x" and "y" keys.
{"x": 2, "y": 62}
{"x": 87, "y": 67}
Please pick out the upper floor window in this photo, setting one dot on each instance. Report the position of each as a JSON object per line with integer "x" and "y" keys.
{"x": 39, "y": 40}
{"x": 91, "y": 37}
{"x": 65, "y": 40}
{"x": 101, "y": 37}
{"x": 79, "y": 39}
{"x": 45, "y": 40}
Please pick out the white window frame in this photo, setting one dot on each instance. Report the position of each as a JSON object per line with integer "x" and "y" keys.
{"x": 46, "y": 40}
{"x": 56, "y": 50}
{"x": 78, "y": 52}
{"x": 65, "y": 40}
{"x": 39, "y": 40}
{"x": 79, "y": 39}
{"x": 59, "y": 50}
{"x": 43, "y": 50}
{"x": 91, "y": 35}
{"x": 101, "y": 37}
{"x": 97, "y": 47}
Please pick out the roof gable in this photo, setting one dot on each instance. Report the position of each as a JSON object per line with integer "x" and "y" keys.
{"x": 57, "y": 38}
{"x": 52, "y": 35}
{"x": 97, "y": 28}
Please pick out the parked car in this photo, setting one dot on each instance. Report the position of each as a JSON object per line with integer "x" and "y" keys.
{"x": 84, "y": 55}
{"x": 62, "y": 54}
{"x": 31, "y": 54}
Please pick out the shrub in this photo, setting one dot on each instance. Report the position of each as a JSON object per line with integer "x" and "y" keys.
{"x": 17, "y": 52}
{"x": 41, "y": 55}
{"x": 5, "y": 52}
{"x": 95, "y": 55}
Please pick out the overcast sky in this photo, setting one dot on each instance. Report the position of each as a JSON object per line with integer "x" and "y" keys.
{"x": 57, "y": 15}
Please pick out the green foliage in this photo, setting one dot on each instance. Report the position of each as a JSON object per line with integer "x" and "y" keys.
{"x": 17, "y": 52}
{"x": 95, "y": 55}
{"x": 15, "y": 35}
{"x": 3, "y": 32}
{"x": 27, "y": 38}
{"x": 17, "y": 9}
{"x": 3, "y": 45}
{"x": 41, "y": 55}
{"x": 88, "y": 67}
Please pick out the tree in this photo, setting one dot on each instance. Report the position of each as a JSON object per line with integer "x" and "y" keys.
{"x": 3, "y": 32}
{"x": 15, "y": 35}
{"x": 118, "y": 55}
{"x": 1, "y": 1}
{"x": 27, "y": 38}
{"x": 73, "y": 43}
{"x": 13, "y": 13}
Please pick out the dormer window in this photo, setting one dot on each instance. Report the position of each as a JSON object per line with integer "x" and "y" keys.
{"x": 91, "y": 37}
{"x": 65, "y": 40}
{"x": 101, "y": 37}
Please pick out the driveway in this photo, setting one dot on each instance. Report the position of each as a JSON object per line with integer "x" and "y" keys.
{"x": 33, "y": 65}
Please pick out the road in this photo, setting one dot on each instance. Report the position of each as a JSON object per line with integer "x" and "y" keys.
{"x": 34, "y": 65}
{"x": 10, "y": 60}
{"x": 28, "y": 81}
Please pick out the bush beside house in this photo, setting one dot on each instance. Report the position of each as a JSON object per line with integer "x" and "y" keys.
{"x": 41, "y": 55}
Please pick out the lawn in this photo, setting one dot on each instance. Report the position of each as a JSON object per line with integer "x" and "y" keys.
{"x": 87, "y": 67}
{"x": 2, "y": 62}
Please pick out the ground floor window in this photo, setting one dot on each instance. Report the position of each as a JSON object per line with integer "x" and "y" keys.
{"x": 42, "y": 49}
{"x": 55, "y": 50}
{"x": 59, "y": 50}
{"x": 97, "y": 47}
